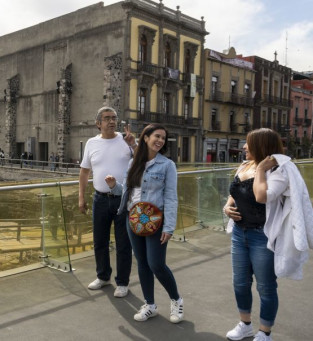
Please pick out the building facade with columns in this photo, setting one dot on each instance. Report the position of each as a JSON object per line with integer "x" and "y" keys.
{"x": 138, "y": 56}
{"x": 301, "y": 118}
{"x": 228, "y": 105}
{"x": 272, "y": 103}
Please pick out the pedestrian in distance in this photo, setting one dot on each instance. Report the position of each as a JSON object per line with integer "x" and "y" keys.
{"x": 152, "y": 178}
{"x": 52, "y": 161}
{"x": 271, "y": 224}
{"x": 107, "y": 153}
{"x": 2, "y": 156}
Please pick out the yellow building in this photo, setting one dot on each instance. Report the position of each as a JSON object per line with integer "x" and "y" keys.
{"x": 228, "y": 105}
{"x": 163, "y": 80}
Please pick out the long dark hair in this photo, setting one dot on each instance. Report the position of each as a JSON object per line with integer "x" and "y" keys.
{"x": 264, "y": 142}
{"x": 141, "y": 155}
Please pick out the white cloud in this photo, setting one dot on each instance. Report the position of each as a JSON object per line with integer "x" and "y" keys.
{"x": 252, "y": 27}
{"x": 297, "y": 38}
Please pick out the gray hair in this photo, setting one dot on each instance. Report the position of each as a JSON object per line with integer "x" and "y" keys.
{"x": 102, "y": 110}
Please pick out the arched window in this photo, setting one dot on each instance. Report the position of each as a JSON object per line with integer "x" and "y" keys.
{"x": 143, "y": 49}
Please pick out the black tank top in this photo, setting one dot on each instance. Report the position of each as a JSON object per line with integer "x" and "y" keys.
{"x": 252, "y": 213}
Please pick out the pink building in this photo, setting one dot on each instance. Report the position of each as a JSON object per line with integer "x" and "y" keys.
{"x": 301, "y": 118}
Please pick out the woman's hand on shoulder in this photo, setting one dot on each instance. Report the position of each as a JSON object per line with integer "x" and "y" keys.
{"x": 165, "y": 237}
{"x": 266, "y": 164}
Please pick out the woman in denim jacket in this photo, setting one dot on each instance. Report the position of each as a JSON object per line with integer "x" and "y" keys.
{"x": 152, "y": 178}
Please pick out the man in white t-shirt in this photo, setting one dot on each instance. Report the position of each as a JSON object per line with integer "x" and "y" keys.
{"x": 107, "y": 153}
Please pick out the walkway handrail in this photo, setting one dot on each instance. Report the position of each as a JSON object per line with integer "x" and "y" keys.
{"x": 76, "y": 182}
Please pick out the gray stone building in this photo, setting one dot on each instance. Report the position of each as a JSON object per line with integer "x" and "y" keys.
{"x": 136, "y": 55}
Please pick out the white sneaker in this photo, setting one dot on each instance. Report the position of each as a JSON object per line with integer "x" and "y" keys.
{"x": 260, "y": 336}
{"x": 146, "y": 311}
{"x": 177, "y": 310}
{"x": 240, "y": 331}
{"x": 121, "y": 291}
{"x": 98, "y": 284}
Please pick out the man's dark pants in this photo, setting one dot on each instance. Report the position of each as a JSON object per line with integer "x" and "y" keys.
{"x": 104, "y": 212}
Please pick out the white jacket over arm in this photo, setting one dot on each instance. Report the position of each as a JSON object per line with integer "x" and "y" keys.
{"x": 289, "y": 218}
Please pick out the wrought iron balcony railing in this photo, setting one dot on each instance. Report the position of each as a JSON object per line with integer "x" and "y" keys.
{"x": 148, "y": 68}
{"x": 155, "y": 117}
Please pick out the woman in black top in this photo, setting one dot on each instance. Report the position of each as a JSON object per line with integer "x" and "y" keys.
{"x": 250, "y": 255}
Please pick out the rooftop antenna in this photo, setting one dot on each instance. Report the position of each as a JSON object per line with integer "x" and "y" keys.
{"x": 286, "y": 49}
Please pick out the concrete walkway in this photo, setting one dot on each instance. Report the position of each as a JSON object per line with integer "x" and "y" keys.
{"x": 46, "y": 304}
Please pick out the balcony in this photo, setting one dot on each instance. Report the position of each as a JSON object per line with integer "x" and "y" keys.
{"x": 268, "y": 99}
{"x": 216, "y": 126}
{"x": 154, "y": 117}
{"x": 234, "y": 128}
{"x": 199, "y": 81}
{"x": 216, "y": 96}
{"x": 238, "y": 99}
{"x": 307, "y": 122}
{"x": 151, "y": 69}
{"x": 298, "y": 121}
{"x": 172, "y": 74}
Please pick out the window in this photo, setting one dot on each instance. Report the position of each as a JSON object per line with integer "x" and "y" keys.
{"x": 284, "y": 119}
{"x": 233, "y": 86}
{"x": 263, "y": 119}
{"x": 143, "y": 49}
{"x": 306, "y": 106}
{"x": 285, "y": 92}
{"x": 190, "y": 53}
{"x": 274, "y": 120}
{"x": 187, "y": 61}
{"x": 265, "y": 86}
{"x": 247, "y": 118}
{"x": 276, "y": 89}
{"x": 167, "y": 55}
{"x": 142, "y": 100}
{"x": 186, "y": 108}
{"x": 232, "y": 120}
{"x": 166, "y": 103}
{"x": 214, "y": 123}
{"x": 296, "y": 113}
{"x": 214, "y": 85}
{"x": 185, "y": 151}
{"x": 247, "y": 89}
{"x": 146, "y": 37}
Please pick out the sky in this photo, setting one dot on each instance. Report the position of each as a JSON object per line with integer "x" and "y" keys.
{"x": 252, "y": 27}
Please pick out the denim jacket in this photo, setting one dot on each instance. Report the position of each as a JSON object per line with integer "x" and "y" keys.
{"x": 158, "y": 186}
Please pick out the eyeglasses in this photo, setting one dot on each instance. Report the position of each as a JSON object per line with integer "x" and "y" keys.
{"x": 109, "y": 118}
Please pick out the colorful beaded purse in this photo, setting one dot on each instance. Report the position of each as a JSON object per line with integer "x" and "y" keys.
{"x": 145, "y": 218}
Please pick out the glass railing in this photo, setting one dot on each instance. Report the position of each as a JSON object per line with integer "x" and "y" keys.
{"x": 40, "y": 224}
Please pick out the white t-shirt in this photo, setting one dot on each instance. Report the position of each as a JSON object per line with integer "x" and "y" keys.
{"x": 106, "y": 156}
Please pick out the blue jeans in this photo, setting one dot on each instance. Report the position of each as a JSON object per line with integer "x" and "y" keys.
{"x": 250, "y": 256}
{"x": 151, "y": 256}
{"x": 104, "y": 211}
